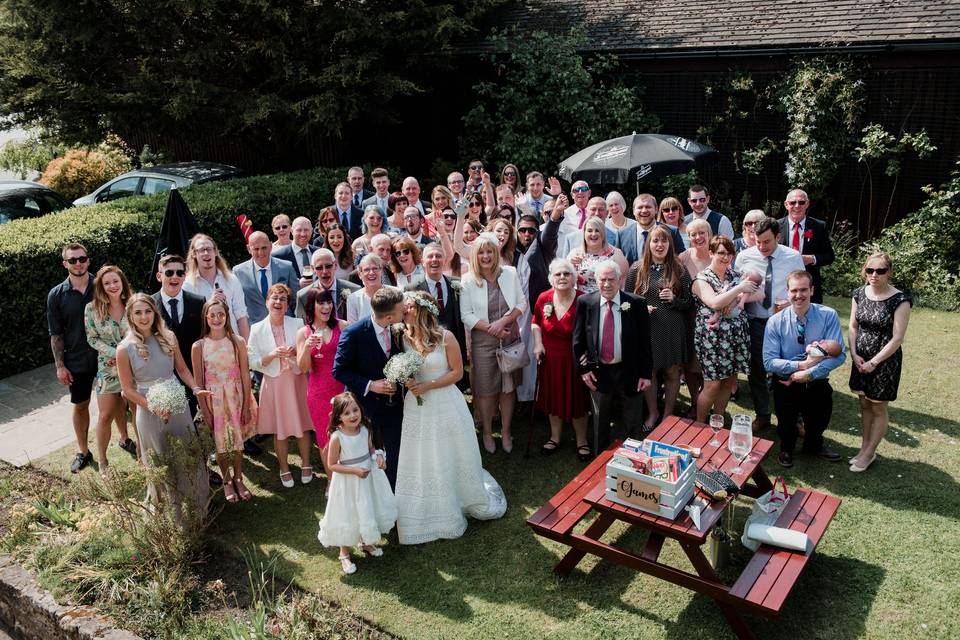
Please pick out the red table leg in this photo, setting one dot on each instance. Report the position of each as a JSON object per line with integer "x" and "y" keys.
{"x": 705, "y": 571}
{"x": 574, "y": 556}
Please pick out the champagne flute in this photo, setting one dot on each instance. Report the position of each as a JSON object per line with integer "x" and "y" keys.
{"x": 716, "y": 423}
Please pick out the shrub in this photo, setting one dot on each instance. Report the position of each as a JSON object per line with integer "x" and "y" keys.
{"x": 80, "y": 171}
{"x": 124, "y": 232}
{"x": 27, "y": 157}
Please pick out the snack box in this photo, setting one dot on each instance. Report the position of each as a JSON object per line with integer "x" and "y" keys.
{"x": 673, "y": 495}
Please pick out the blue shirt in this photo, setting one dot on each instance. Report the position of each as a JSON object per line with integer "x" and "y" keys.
{"x": 782, "y": 351}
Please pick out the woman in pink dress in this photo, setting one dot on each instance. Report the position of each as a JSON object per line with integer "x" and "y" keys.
{"x": 283, "y": 393}
{"x": 316, "y": 348}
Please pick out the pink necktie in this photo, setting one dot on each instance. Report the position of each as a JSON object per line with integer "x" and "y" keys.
{"x": 606, "y": 346}
{"x": 583, "y": 218}
{"x": 386, "y": 341}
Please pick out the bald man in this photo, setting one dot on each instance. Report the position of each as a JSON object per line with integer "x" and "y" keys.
{"x": 809, "y": 236}
{"x": 259, "y": 273}
{"x": 411, "y": 189}
{"x": 299, "y": 252}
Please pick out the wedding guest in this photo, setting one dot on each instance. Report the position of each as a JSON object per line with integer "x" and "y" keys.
{"x": 879, "y": 315}
{"x": 381, "y": 196}
{"x": 148, "y": 355}
{"x": 325, "y": 266}
{"x": 75, "y": 359}
{"x": 471, "y": 230}
{"x": 414, "y": 228}
{"x": 219, "y": 359}
{"x": 358, "y": 303}
{"x": 374, "y": 223}
{"x": 440, "y": 199}
{"x": 725, "y": 350}
{"x": 491, "y": 302}
{"x": 611, "y": 351}
{"x": 663, "y": 283}
{"x": 809, "y": 236}
{"x": 316, "y": 348}
{"x": 620, "y": 223}
{"x": 536, "y": 249}
{"x": 475, "y": 209}
{"x": 594, "y": 250}
{"x": 696, "y": 257}
{"x": 699, "y": 200}
{"x": 451, "y": 228}
{"x": 510, "y": 177}
{"x": 327, "y": 218}
{"x": 298, "y": 252}
{"x": 405, "y": 261}
{"x": 105, "y": 320}
{"x": 446, "y": 291}
{"x": 259, "y": 273}
{"x": 209, "y": 276}
{"x": 348, "y": 215}
{"x": 749, "y": 238}
{"x": 281, "y": 230}
{"x": 398, "y": 204}
{"x": 502, "y": 228}
{"x": 670, "y": 213}
{"x": 382, "y": 247}
{"x": 562, "y": 394}
{"x": 338, "y": 243}
{"x": 283, "y": 393}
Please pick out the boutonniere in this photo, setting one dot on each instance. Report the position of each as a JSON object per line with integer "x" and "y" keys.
{"x": 547, "y": 310}
{"x": 456, "y": 286}
{"x": 398, "y": 328}
{"x": 808, "y": 234}
{"x": 344, "y": 294}
{"x": 625, "y": 306}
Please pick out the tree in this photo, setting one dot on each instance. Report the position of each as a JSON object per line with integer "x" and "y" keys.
{"x": 270, "y": 71}
{"x": 547, "y": 102}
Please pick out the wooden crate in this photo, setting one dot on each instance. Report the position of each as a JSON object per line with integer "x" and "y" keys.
{"x": 672, "y": 497}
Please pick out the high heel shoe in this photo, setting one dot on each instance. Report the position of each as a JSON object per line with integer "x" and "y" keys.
{"x": 854, "y": 467}
{"x": 507, "y": 444}
{"x": 489, "y": 444}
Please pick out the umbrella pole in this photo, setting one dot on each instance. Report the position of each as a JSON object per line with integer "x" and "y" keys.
{"x": 533, "y": 411}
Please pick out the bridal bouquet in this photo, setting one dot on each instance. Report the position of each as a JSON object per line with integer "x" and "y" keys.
{"x": 403, "y": 366}
{"x": 167, "y": 397}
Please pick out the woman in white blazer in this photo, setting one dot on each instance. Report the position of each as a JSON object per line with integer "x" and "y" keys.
{"x": 491, "y": 302}
{"x": 283, "y": 392}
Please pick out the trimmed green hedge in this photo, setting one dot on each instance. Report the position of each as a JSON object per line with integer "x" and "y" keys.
{"x": 124, "y": 232}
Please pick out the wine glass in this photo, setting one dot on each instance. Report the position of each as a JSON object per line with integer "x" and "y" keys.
{"x": 716, "y": 423}
{"x": 739, "y": 443}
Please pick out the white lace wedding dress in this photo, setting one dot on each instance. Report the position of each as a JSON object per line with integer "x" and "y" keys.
{"x": 440, "y": 480}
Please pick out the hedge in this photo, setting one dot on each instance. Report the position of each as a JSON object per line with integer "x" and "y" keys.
{"x": 124, "y": 232}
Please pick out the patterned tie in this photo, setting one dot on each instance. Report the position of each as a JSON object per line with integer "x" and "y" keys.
{"x": 768, "y": 284}
{"x": 356, "y": 200}
{"x": 537, "y": 206}
{"x": 606, "y": 346}
{"x": 440, "y": 296}
{"x": 174, "y": 316}
{"x": 795, "y": 241}
{"x": 264, "y": 285}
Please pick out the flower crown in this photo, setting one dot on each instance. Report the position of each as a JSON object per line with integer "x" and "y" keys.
{"x": 423, "y": 302}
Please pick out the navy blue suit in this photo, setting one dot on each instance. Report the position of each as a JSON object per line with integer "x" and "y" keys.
{"x": 360, "y": 359}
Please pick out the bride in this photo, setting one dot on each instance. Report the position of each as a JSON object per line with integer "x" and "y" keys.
{"x": 439, "y": 477}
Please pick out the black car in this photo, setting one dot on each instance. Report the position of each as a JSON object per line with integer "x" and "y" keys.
{"x": 25, "y": 199}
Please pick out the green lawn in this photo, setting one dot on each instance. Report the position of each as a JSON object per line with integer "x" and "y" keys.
{"x": 888, "y": 566}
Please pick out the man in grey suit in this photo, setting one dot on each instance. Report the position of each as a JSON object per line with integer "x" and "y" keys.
{"x": 259, "y": 273}
{"x": 299, "y": 252}
{"x": 355, "y": 179}
{"x": 381, "y": 182}
{"x": 325, "y": 266}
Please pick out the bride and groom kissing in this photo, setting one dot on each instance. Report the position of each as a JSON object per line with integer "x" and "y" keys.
{"x": 432, "y": 455}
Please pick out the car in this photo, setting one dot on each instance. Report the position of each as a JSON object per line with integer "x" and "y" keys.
{"x": 25, "y": 199}
{"x": 159, "y": 179}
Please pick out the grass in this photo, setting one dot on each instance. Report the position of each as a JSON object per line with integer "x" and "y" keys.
{"x": 887, "y": 567}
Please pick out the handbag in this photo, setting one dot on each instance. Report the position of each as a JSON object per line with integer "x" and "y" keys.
{"x": 513, "y": 356}
{"x": 766, "y": 510}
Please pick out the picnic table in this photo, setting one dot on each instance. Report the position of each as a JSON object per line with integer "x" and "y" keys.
{"x": 770, "y": 574}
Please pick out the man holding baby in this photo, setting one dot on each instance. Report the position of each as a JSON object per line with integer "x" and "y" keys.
{"x": 802, "y": 344}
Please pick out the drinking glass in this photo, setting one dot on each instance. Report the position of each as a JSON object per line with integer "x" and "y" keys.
{"x": 306, "y": 271}
{"x": 716, "y": 423}
{"x": 739, "y": 443}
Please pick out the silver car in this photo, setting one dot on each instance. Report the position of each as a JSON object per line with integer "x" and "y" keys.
{"x": 159, "y": 179}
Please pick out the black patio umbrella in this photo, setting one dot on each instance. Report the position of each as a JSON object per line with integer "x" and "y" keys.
{"x": 177, "y": 228}
{"x": 635, "y": 157}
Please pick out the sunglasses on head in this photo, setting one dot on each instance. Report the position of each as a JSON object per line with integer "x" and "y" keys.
{"x": 174, "y": 272}
{"x": 879, "y": 271}
{"x": 80, "y": 259}
{"x": 583, "y": 189}
{"x": 795, "y": 203}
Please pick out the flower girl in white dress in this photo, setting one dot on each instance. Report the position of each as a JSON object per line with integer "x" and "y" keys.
{"x": 361, "y": 508}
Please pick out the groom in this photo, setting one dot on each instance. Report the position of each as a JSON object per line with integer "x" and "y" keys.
{"x": 363, "y": 350}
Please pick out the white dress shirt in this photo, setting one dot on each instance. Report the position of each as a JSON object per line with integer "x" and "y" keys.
{"x": 785, "y": 260}
{"x": 231, "y": 289}
{"x": 617, "y": 356}
{"x": 166, "y": 303}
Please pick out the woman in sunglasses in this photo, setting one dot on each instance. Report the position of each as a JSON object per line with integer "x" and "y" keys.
{"x": 879, "y": 315}
{"x": 328, "y": 218}
{"x": 510, "y": 176}
{"x": 405, "y": 262}
{"x": 671, "y": 213}
{"x": 281, "y": 230}
{"x": 749, "y": 238}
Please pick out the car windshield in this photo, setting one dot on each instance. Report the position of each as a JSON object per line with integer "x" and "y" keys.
{"x": 26, "y": 204}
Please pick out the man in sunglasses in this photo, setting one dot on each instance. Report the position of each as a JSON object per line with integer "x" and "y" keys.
{"x": 180, "y": 309}
{"x": 807, "y": 235}
{"x": 699, "y": 201}
{"x": 76, "y": 361}
{"x": 801, "y": 376}
{"x": 576, "y": 214}
{"x": 456, "y": 184}
{"x": 325, "y": 268}
{"x": 300, "y": 250}
{"x": 474, "y": 182}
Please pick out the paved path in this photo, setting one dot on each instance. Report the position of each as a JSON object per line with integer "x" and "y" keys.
{"x": 35, "y": 416}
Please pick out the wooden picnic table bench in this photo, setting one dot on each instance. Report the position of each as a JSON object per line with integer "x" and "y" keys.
{"x": 765, "y": 582}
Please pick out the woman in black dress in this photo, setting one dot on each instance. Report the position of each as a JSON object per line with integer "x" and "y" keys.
{"x": 878, "y": 322}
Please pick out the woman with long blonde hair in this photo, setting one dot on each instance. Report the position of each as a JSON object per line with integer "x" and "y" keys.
{"x": 105, "y": 322}
{"x": 458, "y": 486}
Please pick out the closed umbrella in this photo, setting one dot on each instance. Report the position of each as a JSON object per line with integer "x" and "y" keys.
{"x": 634, "y": 158}
{"x": 177, "y": 228}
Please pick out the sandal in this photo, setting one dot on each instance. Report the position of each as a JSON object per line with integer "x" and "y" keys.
{"x": 549, "y": 447}
{"x": 372, "y": 550}
{"x": 242, "y": 490}
{"x": 347, "y": 565}
{"x": 306, "y": 475}
{"x": 583, "y": 453}
{"x": 288, "y": 482}
{"x": 230, "y": 492}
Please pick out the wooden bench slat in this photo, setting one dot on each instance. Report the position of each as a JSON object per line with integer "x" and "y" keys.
{"x": 565, "y": 499}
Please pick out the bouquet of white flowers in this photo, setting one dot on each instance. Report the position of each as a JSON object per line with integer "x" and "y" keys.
{"x": 403, "y": 366}
{"x": 167, "y": 397}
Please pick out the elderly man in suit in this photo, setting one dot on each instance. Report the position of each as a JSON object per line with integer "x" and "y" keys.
{"x": 259, "y": 273}
{"x": 349, "y": 216}
{"x": 807, "y": 235}
{"x": 381, "y": 245}
{"x": 576, "y": 214}
{"x": 355, "y": 179}
{"x": 325, "y": 267}
{"x": 299, "y": 252}
{"x": 611, "y": 350}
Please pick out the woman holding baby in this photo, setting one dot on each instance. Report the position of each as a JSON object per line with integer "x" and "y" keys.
{"x": 721, "y": 335}
{"x": 660, "y": 278}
